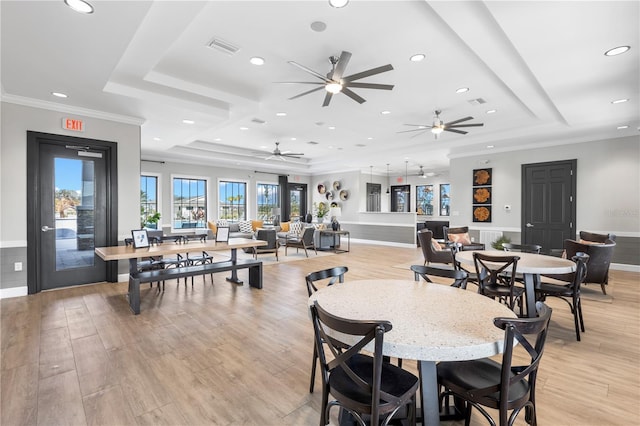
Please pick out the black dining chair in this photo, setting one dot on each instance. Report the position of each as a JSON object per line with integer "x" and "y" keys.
{"x": 501, "y": 386}
{"x": 459, "y": 277}
{"x": 363, "y": 385}
{"x": 569, "y": 292}
{"x": 497, "y": 279}
{"x": 327, "y": 277}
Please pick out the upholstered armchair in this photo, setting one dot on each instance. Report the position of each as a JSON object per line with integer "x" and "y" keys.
{"x": 461, "y": 235}
{"x": 600, "y": 255}
{"x": 431, "y": 250}
{"x": 596, "y": 238}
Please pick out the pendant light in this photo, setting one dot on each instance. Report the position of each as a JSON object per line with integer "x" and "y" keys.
{"x": 371, "y": 180}
{"x": 406, "y": 174}
{"x": 388, "y": 190}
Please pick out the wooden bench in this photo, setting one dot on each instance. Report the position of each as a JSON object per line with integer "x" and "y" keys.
{"x": 136, "y": 278}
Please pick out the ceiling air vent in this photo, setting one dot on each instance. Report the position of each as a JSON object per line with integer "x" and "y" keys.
{"x": 360, "y": 145}
{"x": 477, "y": 101}
{"x": 258, "y": 121}
{"x": 312, "y": 143}
{"x": 223, "y": 46}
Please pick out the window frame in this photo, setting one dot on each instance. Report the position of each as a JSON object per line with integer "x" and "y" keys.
{"x": 269, "y": 214}
{"x": 157, "y": 176}
{"x": 207, "y": 201}
{"x": 247, "y": 196}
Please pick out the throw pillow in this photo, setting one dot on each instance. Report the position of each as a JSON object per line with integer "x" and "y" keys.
{"x": 255, "y": 224}
{"x": 295, "y": 227}
{"x": 212, "y": 226}
{"x": 245, "y": 226}
{"x": 460, "y": 238}
{"x": 284, "y": 226}
{"x": 319, "y": 226}
{"x": 435, "y": 245}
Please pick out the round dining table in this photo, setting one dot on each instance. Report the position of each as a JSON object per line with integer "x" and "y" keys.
{"x": 431, "y": 322}
{"x": 530, "y": 265}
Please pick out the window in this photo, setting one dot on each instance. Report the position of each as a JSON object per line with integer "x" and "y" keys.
{"x": 268, "y": 196}
{"x": 232, "y": 200}
{"x": 424, "y": 199}
{"x": 189, "y": 203}
{"x": 149, "y": 214}
{"x": 444, "y": 199}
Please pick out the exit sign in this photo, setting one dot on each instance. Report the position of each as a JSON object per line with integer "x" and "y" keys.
{"x": 73, "y": 124}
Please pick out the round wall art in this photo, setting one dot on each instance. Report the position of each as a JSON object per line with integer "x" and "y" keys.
{"x": 344, "y": 195}
{"x": 329, "y": 195}
{"x": 321, "y": 188}
{"x": 337, "y": 185}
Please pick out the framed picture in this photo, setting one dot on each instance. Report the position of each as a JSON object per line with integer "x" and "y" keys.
{"x": 140, "y": 238}
{"x": 222, "y": 235}
{"x": 482, "y": 213}
{"x": 482, "y": 195}
{"x": 482, "y": 177}
{"x": 424, "y": 199}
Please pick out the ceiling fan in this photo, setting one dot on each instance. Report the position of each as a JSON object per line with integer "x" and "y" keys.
{"x": 439, "y": 126}
{"x": 334, "y": 82}
{"x": 280, "y": 155}
{"x": 422, "y": 174}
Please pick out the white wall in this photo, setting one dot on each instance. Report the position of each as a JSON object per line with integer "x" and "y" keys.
{"x": 16, "y": 121}
{"x": 608, "y": 185}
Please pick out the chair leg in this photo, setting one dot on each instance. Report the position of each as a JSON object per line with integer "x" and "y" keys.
{"x": 313, "y": 369}
{"x": 604, "y": 289}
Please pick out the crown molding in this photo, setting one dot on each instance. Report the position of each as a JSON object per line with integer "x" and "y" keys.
{"x": 67, "y": 109}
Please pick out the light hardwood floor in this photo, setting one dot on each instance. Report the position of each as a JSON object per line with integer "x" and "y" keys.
{"x": 228, "y": 355}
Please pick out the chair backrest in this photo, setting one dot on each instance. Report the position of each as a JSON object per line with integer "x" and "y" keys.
{"x": 363, "y": 332}
{"x": 456, "y": 230}
{"x": 599, "y": 259}
{"x": 331, "y": 274}
{"x": 596, "y": 238}
{"x": 580, "y": 274}
{"x": 268, "y": 235}
{"x": 531, "y": 334}
{"x": 522, "y": 248}
{"x": 307, "y": 236}
{"x": 496, "y": 270}
{"x": 459, "y": 277}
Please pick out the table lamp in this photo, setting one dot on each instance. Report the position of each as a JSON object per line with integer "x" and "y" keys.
{"x": 276, "y": 216}
{"x": 335, "y": 213}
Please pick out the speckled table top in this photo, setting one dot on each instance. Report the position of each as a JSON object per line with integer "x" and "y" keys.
{"x": 431, "y": 322}
{"x": 529, "y": 263}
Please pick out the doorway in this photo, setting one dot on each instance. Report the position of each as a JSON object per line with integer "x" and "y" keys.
{"x": 297, "y": 201}
{"x": 71, "y": 209}
{"x": 549, "y": 204}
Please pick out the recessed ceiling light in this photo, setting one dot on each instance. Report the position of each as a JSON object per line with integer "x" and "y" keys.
{"x": 332, "y": 127}
{"x": 188, "y": 121}
{"x": 417, "y": 57}
{"x": 80, "y": 6}
{"x": 338, "y": 3}
{"x": 294, "y": 139}
{"x": 263, "y": 147}
{"x": 492, "y": 111}
{"x": 490, "y": 146}
{"x": 617, "y": 50}
{"x": 369, "y": 138}
{"x": 59, "y": 94}
{"x": 622, "y": 127}
{"x": 257, "y": 60}
{"x": 619, "y": 101}
{"x": 281, "y": 114}
{"x": 244, "y": 128}
{"x": 157, "y": 139}
{"x": 330, "y": 147}
{"x": 385, "y": 112}
{"x": 462, "y": 90}
{"x": 217, "y": 139}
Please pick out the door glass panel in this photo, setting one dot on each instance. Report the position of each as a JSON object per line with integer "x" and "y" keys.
{"x": 74, "y": 213}
{"x": 294, "y": 197}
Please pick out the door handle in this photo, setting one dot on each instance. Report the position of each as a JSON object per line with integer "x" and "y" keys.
{"x": 45, "y": 228}
{"x": 528, "y": 225}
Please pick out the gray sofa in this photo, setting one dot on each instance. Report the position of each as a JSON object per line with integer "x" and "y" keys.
{"x": 234, "y": 232}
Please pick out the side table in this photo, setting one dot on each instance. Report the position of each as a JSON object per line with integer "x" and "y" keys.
{"x": 334, "y": 233}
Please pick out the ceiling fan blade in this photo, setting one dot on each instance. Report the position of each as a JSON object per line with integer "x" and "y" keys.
{"x": 458, "y": 121}
{"x": 455, "y": 131}
{"x": 467, "y": 125}
{"x": 415, "y": 130}
{"x": 310, "y": 71}
{"x": 299, "y": 82}
{"x": 372, "y": 71}
{"x": 327, "y": 99}
{"x": 307, "y": 92}
{"x": 341, "y": 66}
{"x": 353, "y": 95}
{"x": 370, "y": 86}
{"x": 292, "y": 155}
{"x": 426, "y": 126}
{"x": 269, "y": 157}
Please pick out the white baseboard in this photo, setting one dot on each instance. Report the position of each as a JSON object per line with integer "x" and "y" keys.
{"x": 381, "y": 243}
{"x": 6, "y": 293}
{"x": 624, "y": 267}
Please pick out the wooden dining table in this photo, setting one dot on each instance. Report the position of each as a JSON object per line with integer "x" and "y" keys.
{"x": 530, "y": 265}
{"x": 166, "y": 249}
{"x": 431, "y": 322}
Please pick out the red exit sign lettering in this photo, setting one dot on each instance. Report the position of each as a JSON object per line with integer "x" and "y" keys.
{"x": 73, "y": 124}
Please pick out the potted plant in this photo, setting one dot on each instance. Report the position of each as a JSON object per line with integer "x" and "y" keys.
{"x": 497, "y": 244}
{"x": 149, "y": 220}
{"x": 320, "y": 210}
